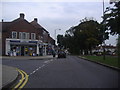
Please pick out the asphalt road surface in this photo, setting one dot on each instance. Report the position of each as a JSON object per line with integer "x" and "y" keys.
{"x": 70, "y": 72}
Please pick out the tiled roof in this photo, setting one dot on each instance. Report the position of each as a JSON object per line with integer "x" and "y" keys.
{"x": 36, "y": 25}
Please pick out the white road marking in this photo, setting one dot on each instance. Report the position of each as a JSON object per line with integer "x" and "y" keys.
{"x": 37, "y": 69}
{"x": 40, "y": 67}
{"x": 46, "y": 61}
{"x": 33, "y": 71}
{"x": 43, "y": 65}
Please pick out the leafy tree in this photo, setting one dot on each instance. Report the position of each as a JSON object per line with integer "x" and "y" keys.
{"x": 84, "y": 36}
{"x": 89, "y": 33}
{"x": 60, "y": 40}
{"x": 112, "y": 22}
{"x": 112, "y": 18}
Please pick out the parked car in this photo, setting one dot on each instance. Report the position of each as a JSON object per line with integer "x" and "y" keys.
{"x": 61, "y": 54}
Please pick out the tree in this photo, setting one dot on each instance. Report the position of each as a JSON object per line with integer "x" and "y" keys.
{"x": 112, "y": 22}
{"x": 112, "y": 18}
{"x": 84, "y": 36}
{"x": 60, "y": 40}
{"x": 89, "y": 35}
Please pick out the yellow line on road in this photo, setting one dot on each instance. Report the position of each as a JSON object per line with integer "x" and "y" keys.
{"x": 21, "y": 80}
{"x": 26, "y": 80}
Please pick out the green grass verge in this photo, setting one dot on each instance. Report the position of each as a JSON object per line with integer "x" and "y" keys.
{"x": 109, "y": 60}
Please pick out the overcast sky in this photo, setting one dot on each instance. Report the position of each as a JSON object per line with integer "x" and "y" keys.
{"x": 55, "y": 15}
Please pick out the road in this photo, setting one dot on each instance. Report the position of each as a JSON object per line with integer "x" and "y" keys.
{"x": 71, "y": 72}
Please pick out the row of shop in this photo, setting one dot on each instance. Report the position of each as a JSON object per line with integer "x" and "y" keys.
{"x": 19, "y": 47}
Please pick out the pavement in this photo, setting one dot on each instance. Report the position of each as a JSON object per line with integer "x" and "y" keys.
{"x": 10, "y": 74}
{"x": 28, "y": 57}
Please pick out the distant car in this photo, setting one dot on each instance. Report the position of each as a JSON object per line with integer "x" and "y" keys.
{"x": 61, "y": 54}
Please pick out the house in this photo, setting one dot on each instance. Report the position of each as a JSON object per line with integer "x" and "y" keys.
{"x": 51, "y": 45}
{"x": 43, "y": 36}
{"x": 109, "y": 49}
{"x": 23, "y": 38}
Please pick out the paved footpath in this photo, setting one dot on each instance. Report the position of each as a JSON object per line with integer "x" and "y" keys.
{"x": 28, "y": 57}
{"x": 9, "y": 75}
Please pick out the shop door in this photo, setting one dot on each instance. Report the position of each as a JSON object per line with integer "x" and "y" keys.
{"x": 22, "y": 50}
{"x": 26, "y": 53}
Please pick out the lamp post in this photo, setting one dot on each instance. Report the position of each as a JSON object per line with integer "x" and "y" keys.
{"x": 55, "y": 35}
{"x": 103, "y": 34}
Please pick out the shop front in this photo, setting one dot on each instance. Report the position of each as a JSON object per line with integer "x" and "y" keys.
{"x": 23, "y": 50}
{"x": 20, "y": 48}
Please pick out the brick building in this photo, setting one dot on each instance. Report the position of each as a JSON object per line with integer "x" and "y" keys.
{"x": 23, "y": 38}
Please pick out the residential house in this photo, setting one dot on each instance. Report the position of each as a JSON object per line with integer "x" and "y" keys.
{"x": 109, "y": 49}
{"x": 22, "y": 38}
{"x": 44, "y": 36}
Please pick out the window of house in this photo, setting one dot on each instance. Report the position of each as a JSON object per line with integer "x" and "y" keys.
{"x": 24, "y": 35}
{"x": 28, "y": 36}
{"x": 33, "y": 36}
{"x": 14, "y": 34}
{"x": 20, "y": 35}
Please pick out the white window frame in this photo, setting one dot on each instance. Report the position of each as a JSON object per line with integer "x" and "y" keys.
{"x": 27, "y": 35}
{"x": 24, "y": 37}
{"x": 13, "y": 35}
{"x": 33, "y": 36}
{"x": 20, "y": 35}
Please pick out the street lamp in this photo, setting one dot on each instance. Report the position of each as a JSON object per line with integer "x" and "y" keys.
{"x": 55, "y": 35}
{"x": 103, "y": 34}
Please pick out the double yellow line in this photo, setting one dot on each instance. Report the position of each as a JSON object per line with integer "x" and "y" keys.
{"x": 22, "y": 82}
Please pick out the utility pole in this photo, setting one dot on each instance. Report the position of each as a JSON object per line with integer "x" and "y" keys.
{"x": 118, "y": 52}
{"x": 103, "y": 33}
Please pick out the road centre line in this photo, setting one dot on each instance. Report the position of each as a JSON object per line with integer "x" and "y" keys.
{"x": 37, "y": 69}
{"x": 33, "y": 71}
{"x": 46, "y": 61}
{"x": 40, "y": 66}
{"x": 43, "y": 65}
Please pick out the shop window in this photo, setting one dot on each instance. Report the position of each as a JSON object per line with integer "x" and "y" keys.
{"x": 14, "y": 34}
{"x": 33, "y": 36}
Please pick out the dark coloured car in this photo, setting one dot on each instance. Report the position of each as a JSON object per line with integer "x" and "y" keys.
{"x": 61, "y": 54}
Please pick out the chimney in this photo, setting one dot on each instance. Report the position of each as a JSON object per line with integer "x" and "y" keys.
{"x": 35, "y": 19}
{"x": 22, "y": 15}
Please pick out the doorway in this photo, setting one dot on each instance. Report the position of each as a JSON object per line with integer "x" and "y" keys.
{"x": 22, "y": 50}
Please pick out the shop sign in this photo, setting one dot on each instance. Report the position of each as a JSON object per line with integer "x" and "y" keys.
{"x": 25, "y": 41}
{"x": 33, "y": 42}
{"x": 14, "y": 41}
